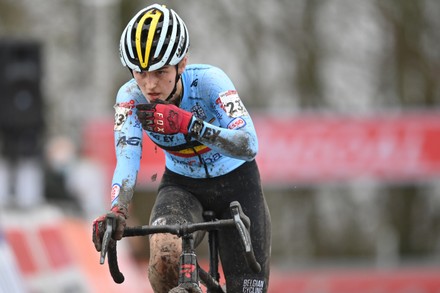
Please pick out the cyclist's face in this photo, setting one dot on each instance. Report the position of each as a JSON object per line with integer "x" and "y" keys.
{"x": 158, "y": 84}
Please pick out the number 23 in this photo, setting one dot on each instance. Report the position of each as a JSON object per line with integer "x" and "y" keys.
{"x": 234, "y": 107}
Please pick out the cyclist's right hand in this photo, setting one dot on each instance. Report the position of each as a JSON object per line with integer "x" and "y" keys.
{"x": 99, "y": 226}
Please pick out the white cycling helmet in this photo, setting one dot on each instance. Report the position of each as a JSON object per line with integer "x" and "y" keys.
{"x": 156, "y": 36}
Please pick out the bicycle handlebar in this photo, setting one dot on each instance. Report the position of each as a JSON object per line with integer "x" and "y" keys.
{"x": 113, "y": 265}
{"x": 109, "y": 245}
{"x": 177, "y": 229}
{"x": 239, "y": 220}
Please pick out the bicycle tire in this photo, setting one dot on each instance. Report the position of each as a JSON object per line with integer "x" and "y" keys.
{"x": 186, "y": 288}
{"x": 178, "y": 290}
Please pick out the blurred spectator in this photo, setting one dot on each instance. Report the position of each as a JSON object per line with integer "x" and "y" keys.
{"x": 21, "y": 183}
{"x": 73, "y": 181}
{"x": 60, "y": 155}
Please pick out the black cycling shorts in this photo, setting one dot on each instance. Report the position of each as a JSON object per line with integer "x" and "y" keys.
{"x": 182, "y": 198}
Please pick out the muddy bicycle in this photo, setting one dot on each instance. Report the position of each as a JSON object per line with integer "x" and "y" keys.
{"x": 191, "y": 275}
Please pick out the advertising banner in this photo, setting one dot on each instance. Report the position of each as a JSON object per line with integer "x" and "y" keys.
{"x": 315, "y": 148}
{"x": 318, "y": 149}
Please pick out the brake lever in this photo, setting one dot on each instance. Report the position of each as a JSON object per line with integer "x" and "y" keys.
{"x": 241, "y": 226}
{"x": 110, "y": 220}
{"x": 242, "y": 223}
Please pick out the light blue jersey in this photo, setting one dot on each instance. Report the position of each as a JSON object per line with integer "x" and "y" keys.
{"x": 226, "y": 141}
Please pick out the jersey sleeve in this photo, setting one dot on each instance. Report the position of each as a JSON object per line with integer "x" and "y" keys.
{"x": 235, "y": 135}
{"x": 128, "y": 145}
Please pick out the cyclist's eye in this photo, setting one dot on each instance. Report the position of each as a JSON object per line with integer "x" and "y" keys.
{"x": 140, "y": 73}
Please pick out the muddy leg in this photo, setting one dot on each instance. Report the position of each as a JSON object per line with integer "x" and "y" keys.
{"x": 163, "y": 271}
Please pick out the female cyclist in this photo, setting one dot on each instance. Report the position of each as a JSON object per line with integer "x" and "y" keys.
{"x": 194, "y": 113}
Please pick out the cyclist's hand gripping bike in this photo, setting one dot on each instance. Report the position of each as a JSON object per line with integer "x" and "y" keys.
{"x": 190, "y": 272}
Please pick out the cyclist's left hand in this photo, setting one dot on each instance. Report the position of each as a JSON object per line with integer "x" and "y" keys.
{"x": 163, "y": 118}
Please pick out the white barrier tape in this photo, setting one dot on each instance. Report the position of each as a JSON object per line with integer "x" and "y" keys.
{"x": 10, "y": 277}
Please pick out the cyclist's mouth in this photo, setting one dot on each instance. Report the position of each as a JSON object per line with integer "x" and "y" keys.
{"x": 153, "y": 96}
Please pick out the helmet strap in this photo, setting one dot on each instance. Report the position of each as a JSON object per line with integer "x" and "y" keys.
{"x": 175, "y": 84}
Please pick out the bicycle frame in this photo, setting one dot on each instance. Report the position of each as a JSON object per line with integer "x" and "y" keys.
{"x": 189, "y": 270}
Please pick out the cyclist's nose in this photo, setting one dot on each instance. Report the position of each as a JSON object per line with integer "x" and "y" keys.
{"x": 151, "y": 79}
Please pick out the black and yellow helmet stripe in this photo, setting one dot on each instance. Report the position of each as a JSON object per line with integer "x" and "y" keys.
{"x": 155, "y": 16}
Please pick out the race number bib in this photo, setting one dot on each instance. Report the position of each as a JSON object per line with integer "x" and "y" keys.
{"x": 122, "y": 110}
{"x": 231, "y": 104}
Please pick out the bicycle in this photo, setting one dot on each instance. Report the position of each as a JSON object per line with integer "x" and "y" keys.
{"x": 190, "y": 273}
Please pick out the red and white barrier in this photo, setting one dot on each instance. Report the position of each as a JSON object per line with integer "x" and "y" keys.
{"x": 357, "y": 280}
{"x": 10, "y": 277}
{"x": 54, "y": 253}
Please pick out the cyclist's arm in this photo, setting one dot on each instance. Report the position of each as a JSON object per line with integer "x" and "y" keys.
{"x": 128, "y": 147}
{"x": 235, "y": 136}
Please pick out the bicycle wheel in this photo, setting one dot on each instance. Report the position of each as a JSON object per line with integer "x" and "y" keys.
{"x": 186, "y": 288}
{"x": 178, "y": 290}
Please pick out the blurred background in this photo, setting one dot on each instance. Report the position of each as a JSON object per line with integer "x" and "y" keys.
{"x": 345, "y": 96}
